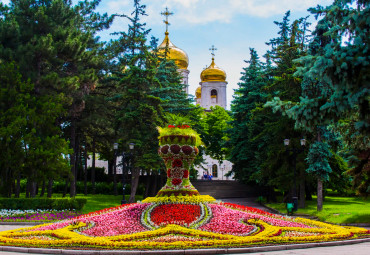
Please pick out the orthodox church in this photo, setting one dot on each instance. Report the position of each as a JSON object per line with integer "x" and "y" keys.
{"x": 211, "y": 92}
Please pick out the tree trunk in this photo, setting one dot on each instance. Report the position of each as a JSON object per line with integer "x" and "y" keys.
{"x": 42, "y": 188}
{"x": 302, "y": 189}
{"x": 135, "y": 174}
{"x": 36, "y": 188}
{"x": 319, "y": 195}
{"x": 115, "y": 175}
{"x": 33, "y": 189}
{"x": 18, "y": 186}
{"x": 65, "y": 188}
{"x": 319, "y": 184}
{"x": 93, "y": 168}
{"x": 72, "y": 191}
{"x": 153, "y": 189}
{"x": 28, "y": 188}
{"x": 85, "y": 172}
{"x": 50, "y": 188}
{"x": 147, "y": 184}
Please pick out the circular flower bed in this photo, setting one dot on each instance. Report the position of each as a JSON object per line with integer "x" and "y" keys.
{"x": 177, "y": 222}
{"x": 178, "y": 217}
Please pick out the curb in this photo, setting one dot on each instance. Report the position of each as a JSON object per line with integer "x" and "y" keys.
{"x": 183, "y": 252}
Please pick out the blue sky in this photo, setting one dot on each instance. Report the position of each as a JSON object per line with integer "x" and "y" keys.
{"x": 233, "y": 26}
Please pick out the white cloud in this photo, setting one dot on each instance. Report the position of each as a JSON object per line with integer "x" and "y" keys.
{"x": 205, "y": 11}
{"x": 117, "y": 5}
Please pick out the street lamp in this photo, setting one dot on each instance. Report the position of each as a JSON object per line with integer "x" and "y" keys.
{"x": 295, "y": 151}
{"x": 115, "y": 148}
{"x": 126, "y": 157}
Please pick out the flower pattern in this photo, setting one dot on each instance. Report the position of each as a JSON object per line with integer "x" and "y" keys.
{"x": 177, "y": 218}
{"x": 182, "y": 222}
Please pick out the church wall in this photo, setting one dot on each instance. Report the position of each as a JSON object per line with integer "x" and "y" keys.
{"x": 207, "y": 87}
{"x": 222, "y": 169}
{"x": 185, "y": 79}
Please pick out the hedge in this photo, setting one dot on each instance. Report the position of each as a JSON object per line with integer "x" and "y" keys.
{"x": 42, "y": 203}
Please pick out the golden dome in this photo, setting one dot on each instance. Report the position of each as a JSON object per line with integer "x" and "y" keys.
{"x": 176, "y": 54}
{"x": 213, "y": 73}
{"x": 198, "y": 92}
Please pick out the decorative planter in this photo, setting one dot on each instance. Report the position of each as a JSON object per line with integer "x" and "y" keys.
{"x": 178, "y": 153}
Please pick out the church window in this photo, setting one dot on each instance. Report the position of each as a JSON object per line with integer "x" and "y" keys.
{"x": 214, "y": 171}
{"x": 214, "y": 96}
{"x": 213, "y": 93}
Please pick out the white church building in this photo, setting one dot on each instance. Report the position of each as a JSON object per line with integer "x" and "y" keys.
{"x": 211, "y": 92}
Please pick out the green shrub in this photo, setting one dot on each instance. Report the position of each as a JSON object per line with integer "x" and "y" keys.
{"x": 42, "y": 203}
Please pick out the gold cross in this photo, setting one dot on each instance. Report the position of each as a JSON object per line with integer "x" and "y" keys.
{"x": 213, "y": 50}
{"x": 166, "y": 13}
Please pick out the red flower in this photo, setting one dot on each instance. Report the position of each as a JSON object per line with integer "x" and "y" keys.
{"x": 186, "y": 174}
{"x": 175, "y": 149}
{"x": 177, "y": 163}
{"x": 187, "y": 149}
{"x": 169, "y": 173}
{"x": 171, "y": 126}
{"x": 175, "y": 214}
{"x": 176, "y": 181}
{"x": 164, "y": 149}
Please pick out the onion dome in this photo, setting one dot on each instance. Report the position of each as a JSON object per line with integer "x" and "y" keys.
{"x": 198, "y": 92}
{"x": 176, "y": 54}
{"x": 213, "y": 73}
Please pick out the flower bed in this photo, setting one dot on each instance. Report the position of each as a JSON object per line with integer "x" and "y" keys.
{"x": 182, "y": 222}
{"x": 178, "y": 217}
{"x": 36, "y": 215}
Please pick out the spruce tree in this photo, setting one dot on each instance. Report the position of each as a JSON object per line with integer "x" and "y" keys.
{"x": 247, "y": 97}
{"x": 139, "y": 112}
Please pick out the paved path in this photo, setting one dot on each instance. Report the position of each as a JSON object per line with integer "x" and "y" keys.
{"x": 249, "y": 201}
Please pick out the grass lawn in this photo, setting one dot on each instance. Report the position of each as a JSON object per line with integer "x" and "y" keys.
{"x": 98, "y": 202}
{"x": 335, "y": 210}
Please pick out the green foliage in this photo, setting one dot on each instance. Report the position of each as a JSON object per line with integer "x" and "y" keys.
{"x": 42, "y": 203}
{"x": 337, "y": 209}
{"x": 216, "y": 123}
{"x": 32, "y": 144}
{"x": 54, "y": 44}
{"x": 170, "y": 90}
{"x": 341, "y": 57}
{"x": 180, "y": 131}
{"x": 318, "y": 160}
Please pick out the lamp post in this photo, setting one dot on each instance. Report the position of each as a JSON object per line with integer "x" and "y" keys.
{"x": 126, "y": 157}
{"x": 115, "y": 148}
{"x": 295, "y": 151}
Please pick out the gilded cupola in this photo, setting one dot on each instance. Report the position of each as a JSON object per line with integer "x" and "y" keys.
{"x": 198, "y": 92}
{"x": 174, "y": 53}
{"x": 213, "y": 73}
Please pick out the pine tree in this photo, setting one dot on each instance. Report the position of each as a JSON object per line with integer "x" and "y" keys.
{"x": 247, "y": 97}
{"x": 170, "y": 90}
{"x": 31, "y": 145}
{"x": 138, "y": 111}
{"x": 54, "y": 44}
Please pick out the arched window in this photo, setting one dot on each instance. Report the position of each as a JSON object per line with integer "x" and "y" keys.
{"x": 214, "y": 96}
{"x": 213, "y": 93}
{"x": 214, "y": 171}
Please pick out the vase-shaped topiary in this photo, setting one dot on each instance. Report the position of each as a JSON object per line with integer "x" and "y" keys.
{"x": 178, "y": 148}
